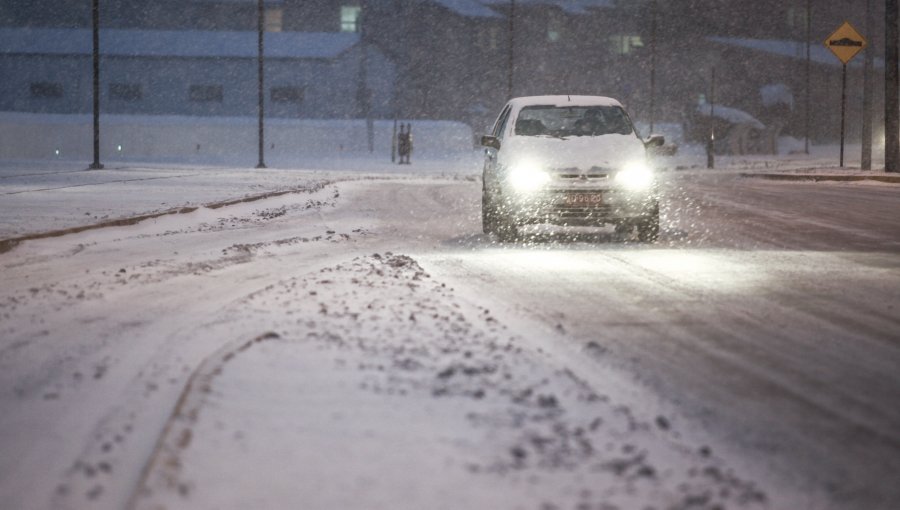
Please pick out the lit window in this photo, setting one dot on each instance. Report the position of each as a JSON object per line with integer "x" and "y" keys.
{"x": 125, "y": 91}
{"x": 46, "y": 89}
{"x": 350, "y": 18}
{"x": 273, "y": 19}
{"x": 625, "y": 44}
{"x": 554, "y": 30}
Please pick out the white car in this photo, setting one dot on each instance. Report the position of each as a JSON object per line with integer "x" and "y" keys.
{"x": 568, "y": 160}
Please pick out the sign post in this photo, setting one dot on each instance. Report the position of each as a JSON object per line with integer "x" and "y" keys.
{"x": 845, "y": 43}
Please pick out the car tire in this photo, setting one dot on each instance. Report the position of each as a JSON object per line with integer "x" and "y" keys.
{"x": 623, "y": 228}
{"x": 505, "y": 226}
{"x": 488, "y": 214}
{"x": 648, "y": 228}
{"x": 507, "y": 232}
{"x": 495, "y": 220}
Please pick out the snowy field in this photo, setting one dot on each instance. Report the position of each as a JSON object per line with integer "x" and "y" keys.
{"x": 349, "y": 339}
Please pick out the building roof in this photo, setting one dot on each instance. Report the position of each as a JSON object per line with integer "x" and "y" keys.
{"x": 468, "y": 8}
{"x": 818, "y": 53}
{"x": 175, "y": 43}
{"x": 253, "y": 2}
{"x": 569, "y": 6}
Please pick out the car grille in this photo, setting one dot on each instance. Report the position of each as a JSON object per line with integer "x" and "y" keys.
{"x": 572, "y": 212}
{"x": 594, "y": 174}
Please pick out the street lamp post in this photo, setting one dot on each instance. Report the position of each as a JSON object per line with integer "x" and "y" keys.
{"x": 806, "y": 108}
{"x": 652, "y": 63}
{"x": 364, "y": 93}
{"x": 711, "y": 141}
{"x": 95, "y": 21}
{"x": 866, "y": 157}
{"x": 260, "y": 13}
{"x": 891, "y": 91}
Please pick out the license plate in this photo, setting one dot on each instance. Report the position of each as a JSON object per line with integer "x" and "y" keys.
{"x": 583, "y": 199}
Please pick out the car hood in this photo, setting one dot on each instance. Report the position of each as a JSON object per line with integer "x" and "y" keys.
{"x": 581, "y": 152}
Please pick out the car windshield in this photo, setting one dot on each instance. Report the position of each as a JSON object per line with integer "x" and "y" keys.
{"x": 565, "y": 121}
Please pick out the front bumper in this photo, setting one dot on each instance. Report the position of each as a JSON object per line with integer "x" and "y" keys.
{"x": 581, "y": 206}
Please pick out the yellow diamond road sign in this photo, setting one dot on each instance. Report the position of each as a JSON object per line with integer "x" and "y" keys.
{"x": 845, "y": 42}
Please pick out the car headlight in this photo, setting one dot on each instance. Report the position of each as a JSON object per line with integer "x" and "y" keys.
{"x": 527, "y": 176}
{"x": 636, "y": 176}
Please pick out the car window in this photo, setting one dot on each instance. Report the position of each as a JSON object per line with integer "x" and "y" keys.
{"x": 500, "y": 125}
{"x": 565, "y": 121}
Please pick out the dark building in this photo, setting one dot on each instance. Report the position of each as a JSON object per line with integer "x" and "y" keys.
{"x": 201, "y": 73}
{"x": 451, "y": 57}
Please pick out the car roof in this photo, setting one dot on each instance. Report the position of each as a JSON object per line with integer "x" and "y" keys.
{"x": 563, "y": 100}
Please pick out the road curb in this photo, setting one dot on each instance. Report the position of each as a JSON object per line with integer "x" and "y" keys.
{"x": 8, "y": 244}
{"x": 895, "y": 179}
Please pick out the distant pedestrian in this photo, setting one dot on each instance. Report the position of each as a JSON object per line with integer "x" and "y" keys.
{"x": 404, "y": 143}
{"x": 409, "y": 143}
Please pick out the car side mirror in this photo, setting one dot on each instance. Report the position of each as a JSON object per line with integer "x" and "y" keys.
{"x": 490, "y": 141}
{"x": 655, "y": 141}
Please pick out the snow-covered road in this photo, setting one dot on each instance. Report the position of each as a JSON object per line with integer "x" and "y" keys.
{"x": 362, "y": 345}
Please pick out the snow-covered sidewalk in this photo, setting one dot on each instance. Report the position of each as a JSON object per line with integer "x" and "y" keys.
{"x": 822, "y": 165}
{"x": 41, "y": 198}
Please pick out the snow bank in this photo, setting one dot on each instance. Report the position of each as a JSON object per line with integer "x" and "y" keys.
{"x": 212, "y": 139}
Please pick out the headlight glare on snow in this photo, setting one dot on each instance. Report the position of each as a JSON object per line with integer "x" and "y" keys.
{"x": 527, "y": 176}
{"x": 636, "y": 176}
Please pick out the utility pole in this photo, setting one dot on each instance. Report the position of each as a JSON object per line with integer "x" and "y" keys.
{"x": 891, "y": 89}
{"x": 866, "y": 157}
{"x": 364, "y": 90}
{"x": 807, "y": 112}
{"x": 711, "y": 142}
{"x": 260, "y": 14}
{"x": 364, "y": 97}
{"x": 653, "y": 6}
{"x": 512, "y": 42}
{"x": 95, "y": 20}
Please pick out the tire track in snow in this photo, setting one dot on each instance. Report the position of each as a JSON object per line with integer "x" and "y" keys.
{"x": 379, "y": 331}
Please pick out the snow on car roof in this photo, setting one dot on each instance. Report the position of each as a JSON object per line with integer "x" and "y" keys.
{"x": 521, "y": 102}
